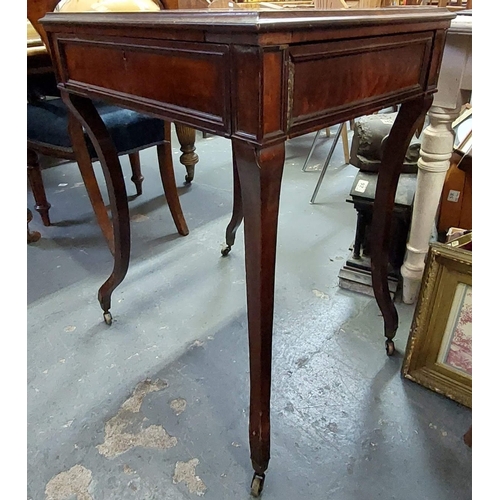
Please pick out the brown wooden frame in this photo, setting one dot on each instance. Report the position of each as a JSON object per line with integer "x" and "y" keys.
{"x": 446, "y": 267}
{"x": 268, "y": 64}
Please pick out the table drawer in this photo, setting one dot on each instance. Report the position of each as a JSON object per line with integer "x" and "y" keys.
{"x": 354, "y": 75}
{"x": 188, "y": 81}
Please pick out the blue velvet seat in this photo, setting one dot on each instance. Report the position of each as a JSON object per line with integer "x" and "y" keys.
{"x": 130, "y": 131}
{"x": 48, "y": 131}
{"x": 48, "y": 122}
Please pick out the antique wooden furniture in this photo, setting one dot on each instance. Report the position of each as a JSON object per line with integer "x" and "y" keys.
{"x": 52, "y": 132}
{"x": 454, "y": 90}
{"x": 251, "y": 76}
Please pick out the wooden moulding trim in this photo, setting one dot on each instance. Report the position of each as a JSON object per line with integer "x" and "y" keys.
{"x": 310, "y": 123}
{"x": 174, "y": 47}
{"x": 189, "y": 117}
{"x": 357, "y": 46}
{"x": 209, "y": 34}
{"x": 323, "y": 35}
{"x": 212, "y": 30}
{"x": 452, "y": 389}
{"x": 250, "y": 21}
{"x": 267, "y": 140}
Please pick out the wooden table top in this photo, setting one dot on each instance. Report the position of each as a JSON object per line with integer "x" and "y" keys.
{"x": 253, "y": 21}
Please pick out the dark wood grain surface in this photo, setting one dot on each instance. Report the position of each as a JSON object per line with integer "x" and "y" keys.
{"x": 258, "y": 78}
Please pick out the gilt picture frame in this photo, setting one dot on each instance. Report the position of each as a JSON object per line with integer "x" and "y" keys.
{"x": 439, "y": 349}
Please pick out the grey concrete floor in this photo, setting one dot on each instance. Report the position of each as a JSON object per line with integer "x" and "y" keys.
{"x": 156, "y": 405}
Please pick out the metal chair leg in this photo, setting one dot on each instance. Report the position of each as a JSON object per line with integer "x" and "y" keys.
{"x": 327, "y": 162}
{"x": 315, "y": 140}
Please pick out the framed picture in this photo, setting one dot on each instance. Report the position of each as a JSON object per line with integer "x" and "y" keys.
{"x": 439, "y": 350}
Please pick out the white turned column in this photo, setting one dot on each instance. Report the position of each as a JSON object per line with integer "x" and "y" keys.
{"x": 434, "y": 161}
{"x": 454, "y": 86}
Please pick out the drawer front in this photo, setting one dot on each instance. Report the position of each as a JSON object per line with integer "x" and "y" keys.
{"x": 184, "y": 81}
{"x": 349, "y": 78}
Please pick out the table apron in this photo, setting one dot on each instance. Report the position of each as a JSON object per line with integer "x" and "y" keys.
{"x": 261, "y": 95}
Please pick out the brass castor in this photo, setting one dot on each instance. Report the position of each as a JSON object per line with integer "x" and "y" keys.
{"x": 389, "y": 347}
{"x": 108, "y": 319}
{"x": 188, "y": 179}
{"x": 225, "y": 251}
{"x": 257, "y": 485}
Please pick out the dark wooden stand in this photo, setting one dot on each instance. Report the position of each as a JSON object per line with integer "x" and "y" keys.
{"x": 356, "y": 273}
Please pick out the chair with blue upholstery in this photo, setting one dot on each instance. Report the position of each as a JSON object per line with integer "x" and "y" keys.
{"x": 53, "y": 131}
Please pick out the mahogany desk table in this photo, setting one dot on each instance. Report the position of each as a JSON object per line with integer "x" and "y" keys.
{"x": 256, "y": 77}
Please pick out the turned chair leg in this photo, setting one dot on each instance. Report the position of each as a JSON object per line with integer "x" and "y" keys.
{"x": 137, "y": 177}
{"x": 38, "y": 189}
{"x": 187, "y": 137}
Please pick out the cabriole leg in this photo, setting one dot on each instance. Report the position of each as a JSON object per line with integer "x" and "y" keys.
{"x": 260, "y": 171}
{"x": 86, "y": 113}
{"x": 408, "y": 119}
